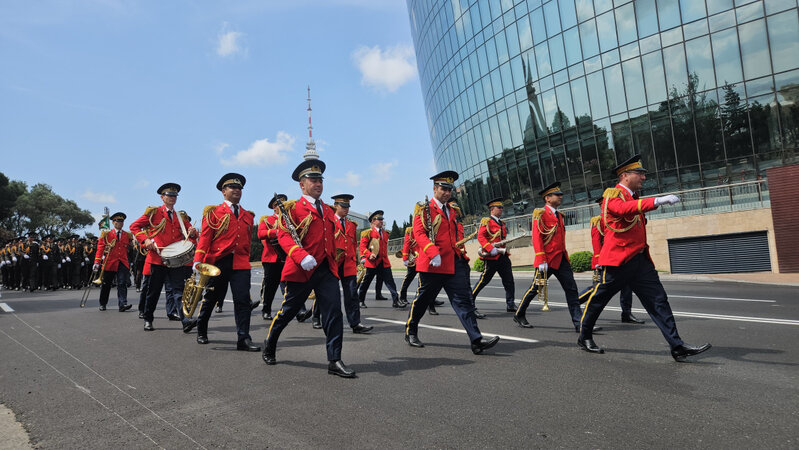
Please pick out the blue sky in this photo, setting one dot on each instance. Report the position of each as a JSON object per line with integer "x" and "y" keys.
{"x": 105, "y": 100}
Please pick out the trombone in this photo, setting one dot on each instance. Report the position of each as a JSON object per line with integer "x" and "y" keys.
{"x": 99, "y": 280}
{"x": 540, "y": 280}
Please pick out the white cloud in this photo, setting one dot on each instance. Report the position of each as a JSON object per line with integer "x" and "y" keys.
{"x": 98, "y": 197}
{"x": 385, "y": 70}
{"x": 220, "y": 147}
{"x": 383, "y": 171}
{"x": 263, "y": 152}
{"x": 228, "y": 43}
{"x": 350, "y": 179}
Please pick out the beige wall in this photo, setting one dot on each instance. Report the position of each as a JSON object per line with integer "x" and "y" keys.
{"x": 658, "y": 232}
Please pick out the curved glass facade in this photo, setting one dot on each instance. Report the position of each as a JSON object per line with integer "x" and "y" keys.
{"x": 519, "y": 94}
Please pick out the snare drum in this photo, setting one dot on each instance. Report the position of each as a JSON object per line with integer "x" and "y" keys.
{"x": 177, "y": 254}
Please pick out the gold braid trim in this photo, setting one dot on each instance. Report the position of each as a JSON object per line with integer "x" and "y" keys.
{"x": 437, "y": 223}
{"x": 537, "y": 213}
{"x": 484, "y": 221}
{"x": 302, "y": 227}
{"x": 263, "y": 219}
{"x": 409, "y": 230}
{"x": 214, "y": 222}
{"x": 154, "y": 229}
{"x": 365, "y": 232}
{"x": 418, "y": 209}
{"x": 613, "y": 193}
{"x": 548, "y": 233}
{"x": 595, "y": 220}
{"x": 457, "y": 210}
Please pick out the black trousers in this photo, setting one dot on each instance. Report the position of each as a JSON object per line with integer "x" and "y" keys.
{"x": 270, "y": 283}
{"x": 145, "y": 285}
{"x": 328, "y": 300}
{"x": 406, "y": 283}
{"x": 625, "y": 299}
{"x": 121, "y": 276}
{"x": 640, "y": 275}
{"x": 158, "y": 276}
{"x": 239, "y": 281}
{"x": 565, "y": 277}
{"x": 378, "y": 285}
{"x": 460, "y": 297}
{"x": 502, "y": 266}
{"x": 388, "y": 279}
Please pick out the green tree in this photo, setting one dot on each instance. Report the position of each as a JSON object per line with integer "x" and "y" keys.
{"x": 395, "y": 231}
{"x": 43, "y": 211}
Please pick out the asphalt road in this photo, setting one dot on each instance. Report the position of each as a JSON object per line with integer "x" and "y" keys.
{"x": 82, "y": 378}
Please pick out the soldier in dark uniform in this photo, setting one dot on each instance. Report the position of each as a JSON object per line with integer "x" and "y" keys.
{"x": 49, "y": 256}
{"x": 625, "y": 260}
{"x": 497, "y": 258}
{"x": 310, "y": 265}
{"x": 441, "y": 264}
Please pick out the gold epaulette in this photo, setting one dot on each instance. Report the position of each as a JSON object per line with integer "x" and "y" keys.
{"x": 365, "y": 232}
{"x": 150, "y": 210}
{"x": 289, "y": 204}
{"x": 537, "y": 213}
{"x": 612, "y": 193}
{"x": 130, "y": 235}
{"x": 484, "y": 221}
{"x": 409, "y": 230}
{"x": 595, "y": 220}
{"x": 262, "y": 219}
{"x": 457, "y": 210}
{"x": 208, "y": 209}
{"x": 418, "y": 208}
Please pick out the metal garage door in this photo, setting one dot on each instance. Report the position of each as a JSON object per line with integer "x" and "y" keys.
{"x": 724, "y": 253}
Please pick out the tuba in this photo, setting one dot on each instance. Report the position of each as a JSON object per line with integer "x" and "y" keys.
{"x": 193, "y": 290}
{"x": 541, "y": 281}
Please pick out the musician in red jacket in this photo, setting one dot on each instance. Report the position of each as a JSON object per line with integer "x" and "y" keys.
{"x": 442, "y": 265}
{"x": 272, "y": 259}
{"x": 307, "y": 229}
{"x": 626, "y": 297}
{"x": 346, "y": 257}
{"x": 155, "y": 229}
{"x": 497, "y": 257}
{"x": 116, "y": 242}
{"x": 551, "y": 258}
{"x": 377, "y": 263}
{"x": 410, "y": 251}
{"x": 625, "y": 260}
{"x": 225, "y": 243}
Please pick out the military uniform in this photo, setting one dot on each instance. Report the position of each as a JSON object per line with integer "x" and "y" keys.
{"x": 496, "y": 259}
{"x": 441, "y": 265}
{"x": 625, "y": 261}
{"x": 551, "y": 257}
{"x": 380, "y": 264}
{"x": 272, "y": 259}
{"x": 112, "y": 250}
{"x": 410, "y": 251}
{"x": 48, "y": 267}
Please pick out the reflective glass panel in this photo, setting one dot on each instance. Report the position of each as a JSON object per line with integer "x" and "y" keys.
{"x": 615, "y": 90}
{"x": 606, "y": 27}
{"x": 542, "y": 59}
{"x": 552, "y": 18}
{"x": 708, "y": 127}
{"x": 692, "y": 10}
{"x": 668, "y": 14}
{"x": 512, "y": 39}
{"x": 502, "y": 47}
{"x": 662, "y": 138}
{"x": 765, "y": 123}
{"x": 749, "y": 12}
{"x": 684, "y": 137}
{"x": 783, "y": 32}
{"x": 571, "y": 40}
{"x": 700, "y": 62}
{"x": 754, "y": 49}
{"x": 735, "y": 123}
{"x": 672, "y": 36}
{"x": 588, "y": 39}
{"x": 601, "y": 6}
{"x": 696, "y": 29}
{"x": 557, "y": 53}
{"x": 585, "y": 9}
{"x": 622, "y": 139}
{"x": 537, "y": 24}
{"x": 649, "y": 44}
{"x": 654, "y": 77}
{"x": 722, "y": 21}
{"x": 787, "y": 94}
{"x": 525, "y": 33}
{"x": 592, "y": 64}
{"x": 634, "y": 83}
{"x": 582, "y": 111}
{"x": 568, "y": 16}
{"x": 629, "y": 51}
{"x": 773, "y": 6}
{"x": 647, "y": 17}
{"x": 610, "y": 58}
{"x": 714, "y": 6}
{"x": 726, "y": 57}
{"x": 675, "y": 69}
{"x": 625, "y": 24}
{"x": 491, "y": 52}
{"x": 550, "y": 106}
{"x": 596, "y": 92}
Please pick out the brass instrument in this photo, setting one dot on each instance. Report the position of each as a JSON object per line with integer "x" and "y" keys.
{"x": 193, "y": 289}
{"x": 466, "y": 239}
{"x": 99, "y": 280}
{"x": 543, "y": 293}
{"x": 361, "y": 270}
{"x": 374, "y": 246}
{"x": 482, "y": 253}
{"x": 597, "y": 277}
{"x": 428, "y": 221}
{"x": 398, "y": 254}
{"x": 290, "y": 227}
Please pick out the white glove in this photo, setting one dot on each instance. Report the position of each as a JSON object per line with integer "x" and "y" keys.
{"x": 63, "y": 261}
{"x": 14, "y": 258}
{"x": 193, "y": 267}
{"x": 68, "y": 260}
{"x": 493, "y": 252}
{"x": 82, "y": 263}
{"x": 44, "y": 257}
{"x": 667, "y": 200}
{"x": 308, "y": 263}
{"x": 26, "y": 256}
{"x": 59, "y": 266}
{"x": 86, "y": 259}
{"x": 436, "y": 261}
{"x": 502, "y": 251}
{"x": 405, "y": 262}
{"x": 598, "y": 267}
{"x": 96, "y": 267}
{"x": 543, "y": 267}
{"x": 3, "y": 263}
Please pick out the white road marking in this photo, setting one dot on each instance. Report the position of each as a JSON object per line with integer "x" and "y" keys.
{"x": 454, "y": 330}
{"x": 6, "y": 308}
{"x": 723, "y": 298}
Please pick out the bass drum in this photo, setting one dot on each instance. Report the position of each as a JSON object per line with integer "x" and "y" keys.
{"x": 178, "y": 254}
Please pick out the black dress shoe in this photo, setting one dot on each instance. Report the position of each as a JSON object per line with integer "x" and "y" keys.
{"x": 338, "y": 368}
{"x": 413, "y": 341}
{"x": 317, "y": 323}
{"x": 589, "y": 345}
{"x": 481, "y": 344}
{"x": 247, "y": 346}
{"x": 363, "y": 305}
{"x": 399, "y": 304}
{"x": 102, "y": 307}
{"x": 202, "y": 340}
{"x": 595, "y": 329}
{"x": 432, "y": 310}
{"x": 361, "y": 329}
{"x": 380, "y": 297}
{"x": 148, "y": 326}
{"x": 124, "y": 308}
{"x": 173, "y": 317}
{"x": 218, "y": 309}
{"x": 188, "y": 326}
{"x": 478, "y": 314}
{"x": 438, "y": 302}
{"x": 269, "y": 354}
{"x": 267, "y": 316}
{"x": 141, "y": 315}
{"x": 302, "y": 316}
{"x": 254, "y": 305}
{"x": 511, "y": 308}
{"x": 522, "y": 322}
{"x": 631, "y": 319}
{"x": 680, "y": 352}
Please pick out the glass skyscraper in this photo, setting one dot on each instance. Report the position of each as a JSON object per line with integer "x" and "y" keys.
{"x": 519, "y": 94}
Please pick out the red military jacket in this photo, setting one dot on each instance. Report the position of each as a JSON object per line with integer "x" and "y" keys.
{"x": 409, "y": 246}
{"x": 317, "y": 236}
{"x": 462, "y": 248}
{"x": 597, "y": 238}
{"x": 625, "y": 226}
{"x": 346, "y": 240}
{"x": 267, "y": 230}
{"x": 549, "y": 238}
{"x": 224, "y": 234}
{"x": 155, "y": 224}
{"x": 118, "y": 254}
{"x": 444, "y": 244}
{"x": 382, "y": 256}
{"x": 490, "y": 231}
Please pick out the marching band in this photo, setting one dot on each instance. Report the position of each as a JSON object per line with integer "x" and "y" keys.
{"x": 311, "y": 249}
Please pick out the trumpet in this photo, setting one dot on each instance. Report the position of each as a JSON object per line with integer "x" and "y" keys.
{"x": 193, "y": 289}
{"x": 543, "y": 292}
{"x": 411, "y": 257}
